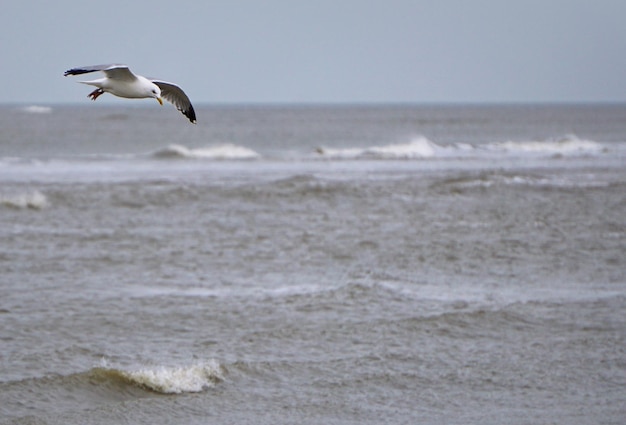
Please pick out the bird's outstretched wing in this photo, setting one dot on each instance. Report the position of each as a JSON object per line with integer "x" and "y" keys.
{"x": 175, "y": 95}
{"x": 112, "y": 70}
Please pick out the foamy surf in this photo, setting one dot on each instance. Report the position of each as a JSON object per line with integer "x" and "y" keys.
{"x": 223, "y": 151}
{"x": 28, "y": 200}
{"x": 419, "y": 147}
{"x": 36, "y": 109}
{"x": 566, "y": 145}
{"x": 170, "y": 380}
{"x": 423, "y": 148}
{"x": 102, "y": 386}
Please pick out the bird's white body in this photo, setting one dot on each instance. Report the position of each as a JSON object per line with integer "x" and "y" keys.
{"x": 140, "y": 88}
{"x": 121, "y": 82}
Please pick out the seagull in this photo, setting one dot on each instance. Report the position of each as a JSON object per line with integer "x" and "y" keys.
{"x": 121, "y": 82}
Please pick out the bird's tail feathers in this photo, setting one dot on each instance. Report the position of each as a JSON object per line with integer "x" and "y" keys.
{"x": 95, "y": 83}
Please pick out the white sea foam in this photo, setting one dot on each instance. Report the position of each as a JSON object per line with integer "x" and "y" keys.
{"x": 176, "y": 380}
{"x": 566, "y": 145}
{"x": 33, "y": 200}
{"x": 36, "y": 109}
{"x": 422, "y": 147}
{"x": 223, "y": 151}
{"x": 419, "y": 147}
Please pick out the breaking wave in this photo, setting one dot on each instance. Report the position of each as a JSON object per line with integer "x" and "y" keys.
{"x": 36, "y": 109}
{"x": 28, "y": 200}
{"x": 420, "y": 147}
{"x": 104, "y": 386}
{"x": 565, "y": 145}
{"x": 423, "y": 148}
{"x": 223, "y": 151}
{"x": 167, "y": 380}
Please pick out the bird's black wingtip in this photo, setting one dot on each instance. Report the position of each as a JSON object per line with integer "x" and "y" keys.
{"x": 75, "y": 71}
{"x": 191, "y": 114}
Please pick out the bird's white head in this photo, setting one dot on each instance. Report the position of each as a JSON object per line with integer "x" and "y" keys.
{"x": 155, "y": 91}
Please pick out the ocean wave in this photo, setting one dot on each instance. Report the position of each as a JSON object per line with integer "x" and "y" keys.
{"x": 167, "y": 380}
{"x": 36, "y": 109}
{"x": 419, "y": 147}
{"x": 104, "y": 385}
{"x": 104, "y": 379}
{"x": 223, "y": 151}
{"x": 423, "y": 148}
{"x": 28, "y": 200}
{"x": 489, "y": 180}
{"x": 564, "y": 145}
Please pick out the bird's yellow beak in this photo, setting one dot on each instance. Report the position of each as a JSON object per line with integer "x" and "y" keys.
{"x": 160, "y": 100}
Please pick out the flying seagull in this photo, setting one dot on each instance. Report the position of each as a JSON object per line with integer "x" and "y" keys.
{"x": 120, "y": 81}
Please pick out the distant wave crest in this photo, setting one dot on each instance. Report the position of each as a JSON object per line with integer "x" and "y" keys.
{"x": 419, "y": 147}
{"x": 28, "y": 200}
{"x": 104, "y": 384}
{"x": 223, "y": 151}
{"x": 564, "y": 145}
{"x": 167, "y": 380}
{"x": 36, "y": 109}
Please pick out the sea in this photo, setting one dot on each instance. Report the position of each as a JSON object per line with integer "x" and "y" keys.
{"x": 313, "y": 264}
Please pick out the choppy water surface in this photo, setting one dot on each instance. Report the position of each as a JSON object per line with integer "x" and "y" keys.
{"x": 327, "y": 264}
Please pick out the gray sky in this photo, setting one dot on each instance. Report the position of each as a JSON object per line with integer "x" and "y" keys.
{"x": 323, "y": 50}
